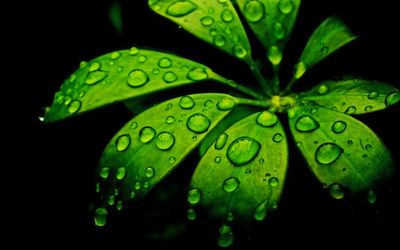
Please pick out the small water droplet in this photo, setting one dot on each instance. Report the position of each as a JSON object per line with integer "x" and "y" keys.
{"x": 230, "y": 216}
{"x": 186, "y": 102}
{"x": 278, "y": 137}
{"x": 213, "y": 32}
{"x": 328, "y": 153}
{"x": 350, "y": 142}
{"x": 368, "y": 147}
{"x": 339, "y": 127}
{"x": 323, "y": 89}
{"x": 133, "y": 51}
{"x": 165, "y": 140}
{"x": 164, "y": 63}
{"x": 68, "y": 100}
{"x": 132, "y": 195}
{"x": 286, "y": 6}
{"x": 273, "y": 182}
{"x": 134, "y": 125}
{"x": 225, "y": 238}
{"x": 120, "y": 174}
{"x": 226, "y": 104}
{"x": 336, "y": 191}
{"x": 243, "y": 150}
{"x": 279, "y": 31}
{"x": 324, "y": 49}
{"x": 171, "y": 159}
{"x": 207, "y": 21}
{"x": 350, "y": 110}
{"x": 313, "y": 110}
{"x": 111, "y": 200}
{"x": 365, "y": 156}
{"x": 226, "y": 16}
{"x": 82, "y": 65}
{"x": 116, "y": 192}
{"x": 104, "y": 172}
{"x": 149, "y": 172}
{"x": 170, "y": 119}
{"x": 43, "y": 113}
{"x": 97, "y": 187}
{"x": 248, "y": 171}
{"x": 392, "y": 98}
{"x": 72, "y": 78}
{"x": 239, "y": 51}
{"x": 254, "y": 11}
{"x": 274, "y": 55}
{"x": 95, "y": 77}
{"x": 191, "y": 214}
{"x": 217, "y": 159}
{"x": 181, "y": 8}
{"x": 261, "y": 210}
{"x": 372, "y": 95}
{"x": 261, "y": 161}
{"x": 169, "y": 77}
{"x": 300, "y": 69}
{"x": 137, "y": 78}
{"x": 299, "y": 143}
{"x": 194, "y": 196}
{"x": 100, "y": 217}
{"x": 94, "y": 66}
{"x": 198, "y": 123}
{"x": 230, "y": 184}
{"x": 74, "y": 106}
{"x": 122, "y": 142}
{"x": 137, "y": 186}
{"x": 119, "y": 205}
{"x": 146, "y": 185}
{"x": 197, "y": 74}
{"x": 82, "y": 94}
{"x": 155, "y": 71}
{"x": 115, "y": 55}
{"x": 306, "y": 123}
{"x": 368, "y": 108}
{"x": 194, "y": 138}
{"x": 219, "y": 40}
{"x": 221, "y": 141}
{"x": 371, "y": 197}
{"x": 267, "y": 119}
{"x": 142, "y": 59}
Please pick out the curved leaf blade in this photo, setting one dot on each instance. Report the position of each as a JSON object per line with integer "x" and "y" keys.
{"x": 342, "y": 152}
{"x": 215, "y": 22}
{"x": 353, "y": 96}
{"x": 123, "y": 75}
{"x": 152, "y": 144}
{"x": 244, "y": 176}
{"x": 272, "y": 22}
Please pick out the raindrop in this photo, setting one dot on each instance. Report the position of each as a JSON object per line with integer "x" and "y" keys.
{"x": 169, "y": 77}
{"x": 217, "y": 159}
{"x": 119, "y": 205}
{"x": 300, "y": 69}
{"x": 137, "y": 78}
{"x": 327, "y": 153}
{"x": 323, "y": 89}
{"x": 155, "y": 71}
{"x": 194, "y": 196}
{"x": 194, "y": 138}
{"x": 372, "y": 95}
{"x": 74, "y": 106}
{"x": 171, "y": 159}
{"x": 111, "y": 200}
{"x": 368, "y": 147}
{"x": 146, "y": 185}
{"x": 392, "y": 98}
{"x": 198, "y": 123}
{"x": 115, "y": 55}
{"x": 230, "y": 184}
{"x": 120, "y": 174}
{"x": 134, "y": 125}
{"x": 213, "y": 32}
{"x": 286, "y": 6}
{"x": 243, "y": 150}
{"x": 306, "y": 123}
{"x": 137, "y": 186}
{"x": 165, "y": 140}
{"x": 261, "y": 211}
{"x": 339, "y": 127}
{"x": 261, "y": 161}
{"x": 230, "y": 217}
{"x": 132, "y": 195}
{"x": 336, "y": 191}
{"x": 221, "y": 141}
{"x": 226, "y": 104}
{"x": 133, "y": 51}
{"x": 170, "y": 119}
{"x": 164, "y": 63}
{"x": 227, "y": 16}
{"x": 248, "y": 171}
{"x": 197, "y": 74}
{"x": 186, "y": 102}
{"x": 350, "y": 110}
{"x": 324, "y": 49}
{"x": 274, "y": 55}
{"x": 94, "y": 66}
{"x": 299, "y": 143}
{"x": 43, "y": 113}
{"x": 82, "y": 65}
{"x": 313, "y": 110}
{"x": 207, "y": 21}
{"x": 68, "y": 100}
{"x": 254, "y": 11}
{"x": 149, "y": 172}
{"x": 371, "y": 197}
{"x": 278, "y": 137}
{"x": 279, "y": 31}
{"x": 100, "y": 217}
{"x": 191, "y": 214}
{"x": 181, "y": 8}
{"x": 104, "y": 172}
{"x": 122, "y": 142}
{"x": 368, "y": 108}
{"x": 273, "y": 182}
{"x": 350, "y": 142}
{"x": 95, "y": 77}
{"x": 365, "y": 156}
{"x": 142, "y": 59}
{"x": 219, "y": 41}
{"x": 72, "y": 78}
{"x": 225, "y": 236}
{"x": 239, "y": 51}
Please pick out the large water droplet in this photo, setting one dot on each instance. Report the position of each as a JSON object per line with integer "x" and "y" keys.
{"x": 165, "y": 140}
{"x": 74, "y": 106}
{"x": 169, "y": 77}
{"x": 137, "y": 78}
{"x": 254, "y": 11}
{"x": 194, "y": 196}
{"x": 243, "y": 150}
{"x": 226, "y": 104}
{"x": 392, "y": 98}
{"x": 239, "y": 51}
{"x": 95, "y": 77}
{"x": 197, "y": 74}
{"x": 328, "y": 153}
{"x": 371, "y": 197}
{"x": 306, "y": 123}
{"x": 226, "y": 16}
{"x": 146, "y": 134}
{"x": 267, "y": 119}
{"x": 104, "y": 172}
{"x": 181, "y": 8}
{"x": 323, "y": 89}
{"x": 350, "y": 110}
{"x": 230, "y": 184}
{"x": 122, "y": 142}
{"x": 186, "y": 102}
{"x": 286, "y": 6}
{"x": 372, "y": 95}
{"x": 273, "y": 182}
{"x": 336, "y": 191}
{"x": 219, "y": 40}
{"x": 274, "y": 55}
{"x": 279, "y": 31}
{"x": 221, "y": 141}
{"x": 94, "y": 66}
{"x": 261, "y": 211}
{"x": 339, "y": 127}
{"x": 164, "y": 63}
{"x": 191, "y": 214}
{"x": 149, "y": 172}
{"x": 100, "y": 217}
{"x": 300, "y": 69}
{"x": 120, "y": 174}
{"x": 225, "y": 236}
{"x": 207, "y": 21}
{"x": 198, "y": 123}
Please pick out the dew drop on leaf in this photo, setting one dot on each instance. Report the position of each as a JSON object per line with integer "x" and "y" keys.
{"x": 239, "y": 51}
{"x": 142, "y": 59}
{"x": 225, "y": 238}
{"x": 149, "y": 172}
{"x": 230, "y": 184}
{"x": 132, "y": 195}
{"x": 97, "y": 187}
{"x": 253, "y": 11}
{"x": 164, "y": 63}
{"x": 137, "y": 78}
{"x": 392, "y": 98}
{"x": 286, "y": 6}
{"x": 217, "y": 159}
{"x": 68, "y": 100}
{"x": 165, "y": 140}
{"x": 260, "y": 213}
{"x": 278, "y": 137}
{"x": 133, "y": 51}
{"x": 339, "y": 127}
{"x": 372, "y": 95}
{"x": 111, "y": 200}
{"x": 371, "y": 197}
{"x": 300, "y": 69}
{"x": 146, "y": 134}
{"x": 115, "y": 55}
{"x": 368, "y": 108}
{"x": 336, "y": 191}
{"x": 230, "y": 216}
{"x": 74, "y": 106}
{"x": 186, "y": 102}
{"x": 191, "y": 214}
{"x": 323, "y": 89}
{"x": 146, "y": 185}
{"x": 207, "y": 21}
{"x": 171, "y": 159}
{"x": 95, "y": 77}
{"x": 104, "y": 172}
{"x": 100, "y": 217}
{"x": 274, "y": 55}
{"x": 313, "y": 110}
{"x": 221, "y": 141}
{"x": 122, "y": 143}
{"x": 169, "y": 77}
{"x": 328, "y": 153}
{"x": 170, "y": 119}
{"x": 120, "y": 174}
{"x": 243, "y": 150}
{"x": 279, "y": 31}
{"x": 226, "y": 16}
{"x": 137, "y": 186}
{"x": 306, "y": 123}
{"x": 226, "y": 104}
{"x": 273, "y": 182}
{"x": 181, "y": 8}
{"x": 350, "y": 110}
{"x": 194, "y": 196}
{"x": 119, "y": 205}
{"x": 197, "y": 74}
{"x": 198, "y": 123}
{"x": 94, "y": 66}
{"x": 219, "y": 41}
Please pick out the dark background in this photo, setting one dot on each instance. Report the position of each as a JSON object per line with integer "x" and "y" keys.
{"x": 58, "y": 190}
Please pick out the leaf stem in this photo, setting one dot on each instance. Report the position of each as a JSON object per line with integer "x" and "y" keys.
{"x": 260, "y": 79}
{"x": 289, "y": 87}
{"x": 256, "y": 103}
{"x": 276, "y": 81}
{"x": 239, "y": 87}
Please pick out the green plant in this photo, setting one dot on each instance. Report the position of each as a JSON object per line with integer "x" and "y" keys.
{"x": 244, "y": 154}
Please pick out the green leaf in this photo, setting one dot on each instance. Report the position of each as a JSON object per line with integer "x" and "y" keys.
{"x": 123, "y": 75}
{"x": 152, "y": 144}
{"x": 243, "y": 173}
{"x": 343, "y": 153}
{"x": 353, "y": 96}
{"x": 330, "y": 36}
{"x": 272, "y": 22}
{"x": 215, "y": 22}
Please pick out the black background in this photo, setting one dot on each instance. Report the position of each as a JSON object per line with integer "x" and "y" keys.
{"x": 58, "y": 189}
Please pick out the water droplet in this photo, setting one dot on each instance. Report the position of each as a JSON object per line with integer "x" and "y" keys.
{"x": 286, "y": 6}
{"x": 392, "y": 98}
{"x": 146, "y": 185}
{"x": 323, "y": 89}
{"x": 350, "y": 142}
{"x": 115, "y": 55}
{"x": 146, "y": 134}
{"x": 254, "y": 11}
{"x": 248, "y": 171}
{"x": 209, "y": 104}
{"x": 142, "y": 59}
{"x": 372, "y": 95}
{"x": 104, "y": 172}
{"x": 207, "y": 21}
{"x": 181, "y": 8}
{"x": 267, "y": 119}
{"x": 82, "y": 65}
{"x": 137, "y": 78}
{"x": 132, "y": 195}
{"x": 300, "y": 69}
{"x": 279, "y": 31}
{"x": 197, "y": 74}
{"x": 243, "y": 150}
{"x": 223, "y": 1}
{"x": 68, "y": 100}
{"x": 261, "y": 161}
{"x": 226, "y": 104}
{"x": 313, "y": 110}
{"x": 261, "y": 210}
{"x": 198, "y": 123}
{"x": 94, "y": 66}
{"x": 217, "y": 159}
{"x": 82, "y": 94}
{"x": 368, "y": 147}
{"x": 327, "y": 153}
{"x": 230, "y": 184}
{"x": 365, "y": 156}
{"x": 273, "y": 182}
{"x": 120, "y": 174}
{"x": 100, "y": 217}
{"x": 213, "y": 32}
{"x": 239, "y": 51}
{"x": 339, "y": 127}
{"x": 230, "y": 216}
{"x": 350, "y": 110}
{"x": 116, "y": 192}
{"x": 119, "y": 205}
{"x": 219, "y": 40}
{"x": 278, "y": 137}
{"x": 95, "y": 77}
{"x": 165, "y": 140}
{"x": 186, "y": 102}
{"x": 170, "y": 119}
{"x": 164, "y": 63}
{"x": 134, "y": 125}
{"x": 226, "y": 16}
{"x": 122, "y": 142}
{"x": 194, "y": 196}
{"x": 97, "y": 187}
{"x": 111, "y": 200}
{"x": 221, "y": 141}
{"x": 299, "y": 143}
{"x": 194, "y": 138}
{"x": 169, "y": 77}
{"x": 133, "y": 51}
{"x": 171, "y": 159}
{"x": 306, "y": 123}
{"x": 155, "y": 71}
{"x": 191, "y": 214}
{"x": 368, "y": 108}
{"x": 336, "y": 191}
{"x": 225, "y": 236}
{"x": 43, "y": 113}
{"x": 137, "y": 186}
{"x": 149, "y": 172}
{"x": 74, "y": 106}
{"x": 371, "y": 197}
{"x": 274, "y": 55}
